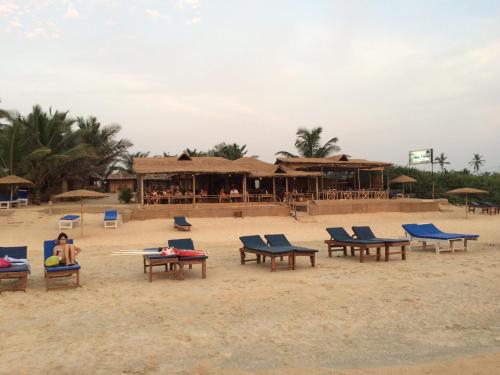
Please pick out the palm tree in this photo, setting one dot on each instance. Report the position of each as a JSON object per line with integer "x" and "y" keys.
{"x": 125, "y": 163}
{"x": 477, "y": 162}
{"x": 103, "y": 139}
{"x": 308, "y": 144}
{"x": 55, "y": 151}
{"x": 441, "y": 160}
{"x": 228, "y": 151}
{"x": 195, "y": 153}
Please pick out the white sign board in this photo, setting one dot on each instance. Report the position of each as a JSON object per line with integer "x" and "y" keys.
{"x": 421, "y": 157}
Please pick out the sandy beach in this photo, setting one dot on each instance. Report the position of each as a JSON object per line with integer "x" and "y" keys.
{"x": 432, "y": 314}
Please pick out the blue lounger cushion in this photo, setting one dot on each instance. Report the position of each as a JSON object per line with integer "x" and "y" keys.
{"x": 48, "y": 251}
{"x": 70, "y": 217}
{"x": 63, "y": 268}
{"x": 340, "y": 234}
{"x": 430, "y": 231}
{"x": 110, "y": 215}
{"x": 15, "y": 268}
{"x": 256, "y": 243}
{"x": 365, "y": 233}
{"x": 280, "y": 240}
{"x": 19, "y": 252}
{"x": 181, "y": 221}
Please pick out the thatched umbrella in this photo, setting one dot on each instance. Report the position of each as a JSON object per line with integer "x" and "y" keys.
{"x": 14, "y": 180}
{"x": 403, "y": 179}
{"x": 466, "y": 192}
{"x": 81, "y": 194}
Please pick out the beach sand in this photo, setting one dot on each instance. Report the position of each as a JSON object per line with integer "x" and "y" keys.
{"x": 432, "y": 314}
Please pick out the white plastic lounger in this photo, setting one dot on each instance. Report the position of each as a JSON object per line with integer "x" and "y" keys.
{"x": 69, "y": 221}
{"x": 110, "y": 219}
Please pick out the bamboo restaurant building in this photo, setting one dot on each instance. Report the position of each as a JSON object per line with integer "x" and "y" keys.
{"x": 199, "y": 180}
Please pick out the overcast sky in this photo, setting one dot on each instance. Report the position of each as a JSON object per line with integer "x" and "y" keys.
{"x": 385, "y": 77}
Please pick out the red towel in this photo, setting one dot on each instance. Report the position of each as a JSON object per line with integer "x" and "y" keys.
{"x": 182, "y": 253}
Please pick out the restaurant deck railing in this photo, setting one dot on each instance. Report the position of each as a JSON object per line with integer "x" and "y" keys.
{"x": 353, "y": 194}
{"x": 190, "y": 199}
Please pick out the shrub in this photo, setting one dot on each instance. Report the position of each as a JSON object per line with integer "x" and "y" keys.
{"x": 125, "y": 195}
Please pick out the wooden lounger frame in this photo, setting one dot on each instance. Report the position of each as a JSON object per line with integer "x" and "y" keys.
{"x": 185, "y": 228}
{"x": 169, "y": 263}
{"x": 186, "y": 261}
{"x": 361, "y": 247}
{"x": 261, "y": 256}
{"x": 403, "y": 244}
{"x": 22, "y": 276}
{"x": 59, "y": 274}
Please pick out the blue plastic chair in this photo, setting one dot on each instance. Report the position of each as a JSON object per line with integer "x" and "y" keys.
{"x": 180, "y": 223}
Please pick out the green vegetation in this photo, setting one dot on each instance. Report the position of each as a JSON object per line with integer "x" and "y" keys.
{"x": 448, "y": 181}
{"x": 47, "y": 148}
{"x": 125, "y": 195}
{"x": 308, "y": 145}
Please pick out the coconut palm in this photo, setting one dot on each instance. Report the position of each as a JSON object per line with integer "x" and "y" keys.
{"x": 228, "y": 151}
{"x": 308, "y": 144}
{"x": 55, "y": 151}
{"x": 195, "y": 153}
{"x": 477, "y": 162}
{"x": 441, "y": 160}
{"x": 126, "y": 161}
{"x": 103, "y": 140}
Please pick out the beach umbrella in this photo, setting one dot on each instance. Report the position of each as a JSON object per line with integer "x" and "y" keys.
{"x": 14, "y": 180}
{"x": 403, "y": 179}
{"x": 81, "y": 194}
{"x": 466, "y": 192}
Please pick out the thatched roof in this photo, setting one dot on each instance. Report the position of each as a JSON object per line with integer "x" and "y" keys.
{"x": 403, "y": 179}
{"x": 14, "y": 180}
{"x": 467, "y": 191}
{"x": 122, "y": 176}
{"x": 259, "y": 168}
{"x": 186, "y": 165}
{"x": 342, "y": 161}
{"x": 82, "y": 194}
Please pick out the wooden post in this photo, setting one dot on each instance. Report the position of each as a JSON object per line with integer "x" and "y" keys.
{"x": 322, "y": 174}
{"x": 141, "y": 181}
{"x": 359, "y": 181}
{"x": 274, "y": 189}
{"x": 317, "y": 188}
{"x": 81, "y": 217}
{"x": 286, "y": 189}
{"x": 245, "y": 198}
{"x": 194, "y": 189}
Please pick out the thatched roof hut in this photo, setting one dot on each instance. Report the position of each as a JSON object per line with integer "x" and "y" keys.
{"x": 259, "y": 168}
{"x": 184, "y": 164}
{"x": 341, "y": 161}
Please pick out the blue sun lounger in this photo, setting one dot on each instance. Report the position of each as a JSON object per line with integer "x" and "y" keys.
{"x": 68, "y": 221}
{"x": 110, "y": 219}
{"x": 188, "y": 244}
{"x": 365, "y": 233}
{"x": 180, "y": 223}
{"x": 430, "y": 233}
{"x": 280, "y": 241}
{"x": 340, "y": 240}
{"x": 16, "y": 271}
{"x": 61, "y": 271}
{"x": 255, "y": 245}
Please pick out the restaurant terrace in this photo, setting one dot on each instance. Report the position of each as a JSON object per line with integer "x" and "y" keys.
{"x": 184, "y": 179}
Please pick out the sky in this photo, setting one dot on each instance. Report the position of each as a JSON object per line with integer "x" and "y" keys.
{"x": 385, "y": 77}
